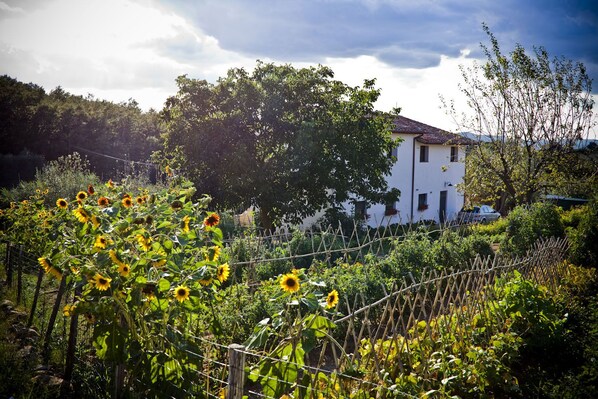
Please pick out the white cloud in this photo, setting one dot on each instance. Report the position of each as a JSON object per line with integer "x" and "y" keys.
{"x": 416, "y": 91}
{"x": 121, "y": 49}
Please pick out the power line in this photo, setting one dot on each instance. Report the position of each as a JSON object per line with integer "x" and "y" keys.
{"x": 112, "y": 157}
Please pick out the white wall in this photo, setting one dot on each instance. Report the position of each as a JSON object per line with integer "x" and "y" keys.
{"x": 432, "y": 177}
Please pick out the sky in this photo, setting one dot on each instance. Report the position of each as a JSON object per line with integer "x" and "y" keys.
{"x": 134, "y": 49}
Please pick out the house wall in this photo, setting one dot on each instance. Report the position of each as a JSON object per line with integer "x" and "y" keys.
{"x": 432, "y": 177}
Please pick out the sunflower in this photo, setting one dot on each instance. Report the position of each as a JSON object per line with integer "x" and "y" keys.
{"x": 332, "y": 299}
{"x": 149, "y": 290}
{"x": 223, "y": 272}
{"x": 82, "y": 215}
{"x": 127, "y": 202}
{"x": 103, "y": 202}
{"x": 45, "y": 263}
{"x": 124, "y": 270}
{"x": 212, "y": 220}
{"x": 140, "y": 200}
{"x": 61, "y": 203}
{"x": 176, "y": 205}
{"x": 81, "y": 195}
{"x": 186, "y": 220}
{"x": 213, "y": 253}
{"x": 48, "y": 268}
{"x": 110, "y": 184}
{"x": 90, "y": 318}
{"x": 101, "y": 242}
{"x": 114, "y": 257}
{"x": 68, "y": 310}
{"x": 56, "y": 273}
{"x": 145, "y": 242}
{"x": 90, "y": 189}
{"x": 96, "y": 221}
{"x": 181, "y": 293}
{"x": 290, "y": 283}
{"x": 205, "y": 281}
{"x": 100, "y": 282}
{"x": 160, "y": 259}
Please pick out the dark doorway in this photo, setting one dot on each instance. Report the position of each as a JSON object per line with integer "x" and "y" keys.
{"x": 442, "y": 210}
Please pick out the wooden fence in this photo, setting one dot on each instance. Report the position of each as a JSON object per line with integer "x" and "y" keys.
{"x": 403, "y": 308}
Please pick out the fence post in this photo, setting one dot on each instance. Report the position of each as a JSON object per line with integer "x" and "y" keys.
{"x": 20, "y": 276}
{"x": 70, "y": 352}
{"x": 8, "y": 264}
{"x": 40, "y": 276}
{"x": 52, "y": 320}
{"x": 236, "y": 371}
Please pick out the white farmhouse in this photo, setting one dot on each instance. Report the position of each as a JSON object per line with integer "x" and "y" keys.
{"x": 428, "y": 168}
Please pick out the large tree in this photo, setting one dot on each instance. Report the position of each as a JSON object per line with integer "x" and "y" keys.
{"x": 289, "y": 141}
{"x": 529, "y": 110}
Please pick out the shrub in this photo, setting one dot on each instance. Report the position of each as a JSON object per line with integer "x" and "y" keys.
{"x": 583, "y": 238}
{"x": 526, "y": 225}
{"x": 62, "y": 178}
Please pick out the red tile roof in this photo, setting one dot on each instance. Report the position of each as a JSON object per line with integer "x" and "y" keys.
{"x": 427, "y": 134}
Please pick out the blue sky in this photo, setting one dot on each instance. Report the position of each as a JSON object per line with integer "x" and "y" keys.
{"x": 121, "y": 49}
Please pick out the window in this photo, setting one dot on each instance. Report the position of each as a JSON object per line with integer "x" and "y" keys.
{"x": 360, "y": 208}
{"x": 390, "y": 208}
{"x": 423, "y": 153}
{"x": 454, "y": 154}
{"x": 394, "y": 152}
{"x": 422, "y": 202}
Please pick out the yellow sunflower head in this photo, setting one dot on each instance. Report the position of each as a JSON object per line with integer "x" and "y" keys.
{"x": 127, "y": 202}
{"x": 81, "y": 195}
{"x": 140, "y": 200}
{"x": 205, "y": 281}
{"x": 114, "y": 257}
{"x": 82, "y": 215}
{"x": 223, "y": 272}
{"x": 101, "y": 242}
{"x": 214, "y": 253}
{"x": 69, "y": 310}
{"x": 144, "y": 242}
{"x": 290, "y": 283}
{"x": 212, "y": 220}
{"x": 45, "y": 263}
{"x": 186, "y": 220}
{"x": 96, "y": 221}
{"x": 124, "y": 270}
{"x": 181, "y": 293}
{"x": 62, "y": 203}
{"x": 332, "y": 299}
{"x": 100, "y": 282}
{"x": 103, "y": 202}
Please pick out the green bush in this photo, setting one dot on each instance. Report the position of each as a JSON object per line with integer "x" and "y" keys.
{"x": 527, "y": 225}
{"x": 62, "y": 178}
{"x": 584, "y": 238}
{"x": 573, "y": 216}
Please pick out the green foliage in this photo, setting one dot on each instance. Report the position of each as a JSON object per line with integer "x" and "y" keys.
{"x": 56, "y": 123}
{"x": 288, "y": 336}
{"x": 518, "y": 102}
{"x": 526, "y": 225}
{"x": 289, "y": 141}
{"x": 149, "y": 271}
{"x": 61, "y": 178}
{"x": 417, "y": 251}
{"x": 494, "y": 228}
{"x": 584, "y": 237}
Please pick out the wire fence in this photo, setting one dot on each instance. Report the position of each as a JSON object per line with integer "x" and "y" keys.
{"x": 407, "y": 311}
